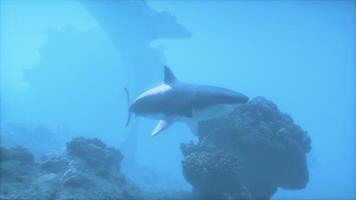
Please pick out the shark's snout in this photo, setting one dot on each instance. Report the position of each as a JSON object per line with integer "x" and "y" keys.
{"x": 226, "y": 96}
{"x": 240, "y": 98}
{"x": 236, "y": 99}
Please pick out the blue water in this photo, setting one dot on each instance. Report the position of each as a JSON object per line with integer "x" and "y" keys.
{"x": 61, "y": 67}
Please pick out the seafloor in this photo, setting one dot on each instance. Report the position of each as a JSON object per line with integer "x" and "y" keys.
{"x": 248, "y": 154}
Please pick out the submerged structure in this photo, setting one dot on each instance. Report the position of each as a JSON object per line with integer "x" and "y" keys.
{"x": 132, "y": 26}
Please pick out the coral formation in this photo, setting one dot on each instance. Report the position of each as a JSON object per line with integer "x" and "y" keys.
{"x": 88, "y": 170}
{"x": 247, "y": 154}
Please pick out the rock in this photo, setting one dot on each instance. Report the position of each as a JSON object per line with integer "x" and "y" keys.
{"x": 256, "y": 147}
{"x": 54, "y": 163}
{"x": 17, "y": 171}
{"x": 93, "y": 151}
{"x": 204, "y": 169}
{"x": 88, "y": 170}
{"x": 76, "y": 179}
{"x": 104, "y": 161}
{"x": 16, "y": 163}
{"x": 46, "y": 186}
{"x": 18, "y": 154}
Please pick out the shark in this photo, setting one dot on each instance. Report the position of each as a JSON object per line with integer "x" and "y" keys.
{"x": 178, "y": 101}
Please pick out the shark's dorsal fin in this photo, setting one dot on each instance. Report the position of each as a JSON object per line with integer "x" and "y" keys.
{"x": 162, "y": 124}
{"x": 169, "y": 77}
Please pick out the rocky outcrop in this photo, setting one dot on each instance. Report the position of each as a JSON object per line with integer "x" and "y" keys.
{"x": 88, "y": 170}
{"x": 17, "y": 171}
{"x": 247, "y": 154}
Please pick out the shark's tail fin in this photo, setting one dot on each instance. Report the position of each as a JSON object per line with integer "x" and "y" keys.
{"x": 128, "y": 105}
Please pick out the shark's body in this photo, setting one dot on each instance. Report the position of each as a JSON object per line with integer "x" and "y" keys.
{"x": 178, "y": 101}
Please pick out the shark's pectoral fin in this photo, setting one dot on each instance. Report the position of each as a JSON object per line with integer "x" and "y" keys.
{"x": 162, "y": 124}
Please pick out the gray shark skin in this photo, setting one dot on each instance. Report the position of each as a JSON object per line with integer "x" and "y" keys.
{"x": 175, "y": 100}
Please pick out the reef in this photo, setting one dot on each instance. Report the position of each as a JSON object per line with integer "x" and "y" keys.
{"x": 87, "y": 170}
{"x": 247, "y": 154}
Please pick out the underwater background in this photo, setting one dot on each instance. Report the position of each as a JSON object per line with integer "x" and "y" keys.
{"x": 64, "y": 65}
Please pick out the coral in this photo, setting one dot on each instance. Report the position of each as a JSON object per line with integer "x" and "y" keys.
{"x": 17, "y": 170}
{"x": 88, "y": 170}
{"x": 206, "y": 167}
{"x": 105, "y": 161}
{"x": 247, "y": 154}
{"x": 19, "y": 154}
